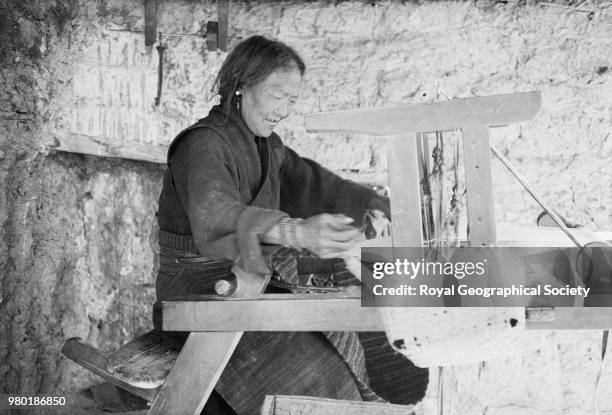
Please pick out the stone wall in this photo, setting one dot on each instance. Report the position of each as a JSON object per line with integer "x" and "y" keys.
{"x": 79, "y": 234}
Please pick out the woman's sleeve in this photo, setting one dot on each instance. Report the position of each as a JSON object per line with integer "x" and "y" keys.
{"x": 207, "y": 186}
{"x": 308, "y": 189}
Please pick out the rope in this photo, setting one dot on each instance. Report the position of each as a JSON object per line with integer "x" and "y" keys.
{"x": 535, "y": 195}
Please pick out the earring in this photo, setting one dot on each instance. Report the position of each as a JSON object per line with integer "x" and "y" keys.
{"x": 238, "y": 93}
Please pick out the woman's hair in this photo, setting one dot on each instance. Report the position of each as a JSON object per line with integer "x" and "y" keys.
{"x": 250, "y": 62}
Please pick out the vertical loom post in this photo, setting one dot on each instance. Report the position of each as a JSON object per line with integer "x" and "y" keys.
{"x": 481, "y": 230}
{"x": 405, "y": 192}
{"x": 405, "y": 195}
{"x": 195, "y": 373}
{"x": 479, "y": 185}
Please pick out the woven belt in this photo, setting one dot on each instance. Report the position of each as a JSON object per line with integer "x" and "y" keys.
{"x": 176, "y": 241}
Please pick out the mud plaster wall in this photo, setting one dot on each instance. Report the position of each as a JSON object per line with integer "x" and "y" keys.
{"x": 78, "y": 232}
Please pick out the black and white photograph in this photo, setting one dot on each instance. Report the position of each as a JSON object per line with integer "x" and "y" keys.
{"x": 293, "y": 207}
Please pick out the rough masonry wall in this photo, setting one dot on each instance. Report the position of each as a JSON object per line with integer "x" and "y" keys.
{"x": 79, "y": 233}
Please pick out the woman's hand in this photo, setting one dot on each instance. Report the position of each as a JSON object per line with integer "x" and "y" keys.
{"x": 328, "y": 235}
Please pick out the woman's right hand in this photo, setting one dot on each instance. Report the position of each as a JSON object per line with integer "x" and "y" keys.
{"x": 328, "y": 235}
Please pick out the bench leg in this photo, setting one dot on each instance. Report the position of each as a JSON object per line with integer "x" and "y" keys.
{"x": 195, "y": 373}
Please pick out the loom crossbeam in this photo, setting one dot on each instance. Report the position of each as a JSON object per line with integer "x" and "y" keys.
{"x": 494, "y": 110}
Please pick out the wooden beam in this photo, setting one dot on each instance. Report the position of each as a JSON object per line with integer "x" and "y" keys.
{"x": 571, "y": 318}
{"x": 287, "y": 314}
{"x": 292, "y": 405}
{"x": 520, "y": 236}
{"x": 517, "y": 235}
{"x": 492, "y": 110}
{"x": 105, "y": 147}
{"x": 352, "y": 294}
{"x": 150, "y": 22}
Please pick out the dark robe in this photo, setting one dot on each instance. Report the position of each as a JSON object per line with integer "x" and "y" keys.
{"x": 217, "y": 184}
{"x": 222, "y": 189}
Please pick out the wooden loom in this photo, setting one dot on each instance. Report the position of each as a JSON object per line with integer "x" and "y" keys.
{"x": 213, "y": 340}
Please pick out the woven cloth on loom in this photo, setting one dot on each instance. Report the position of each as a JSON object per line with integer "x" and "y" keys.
{"x": 454, "y": 336}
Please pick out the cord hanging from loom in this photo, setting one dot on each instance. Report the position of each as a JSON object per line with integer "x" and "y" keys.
{"x": 441, "y": 212}
{"x": 440, "y": 219}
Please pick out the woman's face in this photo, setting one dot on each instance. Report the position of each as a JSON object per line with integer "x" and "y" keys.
{"x": 266, "y": 103}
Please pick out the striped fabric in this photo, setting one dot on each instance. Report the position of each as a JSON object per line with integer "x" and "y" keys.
{"x": 394, "y": 378}
{"x": 391, "y": 375}
{"x": 284, "y": 363}
{"x": 348, "y": 345}
{"x": 178, "y": 242}
{"x": 285, "y": 263}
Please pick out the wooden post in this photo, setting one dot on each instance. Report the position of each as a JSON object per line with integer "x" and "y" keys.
{"x": 479, "y": 185}
{"x": 405, "y": 190}
{"x": 212, "y": 29}
{"x": 203, "y": 358}
{"x": 216, "y": 31}
{"x": 150, "y": 22}
{"x": 223, "y": 8}
{"x": 195, "y": 373}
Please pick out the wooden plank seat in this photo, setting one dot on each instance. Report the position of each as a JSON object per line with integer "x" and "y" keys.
{"x": 140, "y": 366}
{"x": 145, "y": 361}
{"x": 94, "y": 360}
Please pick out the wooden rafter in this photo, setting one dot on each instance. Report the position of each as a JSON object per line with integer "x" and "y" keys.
{"x": 150, "y": 22}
